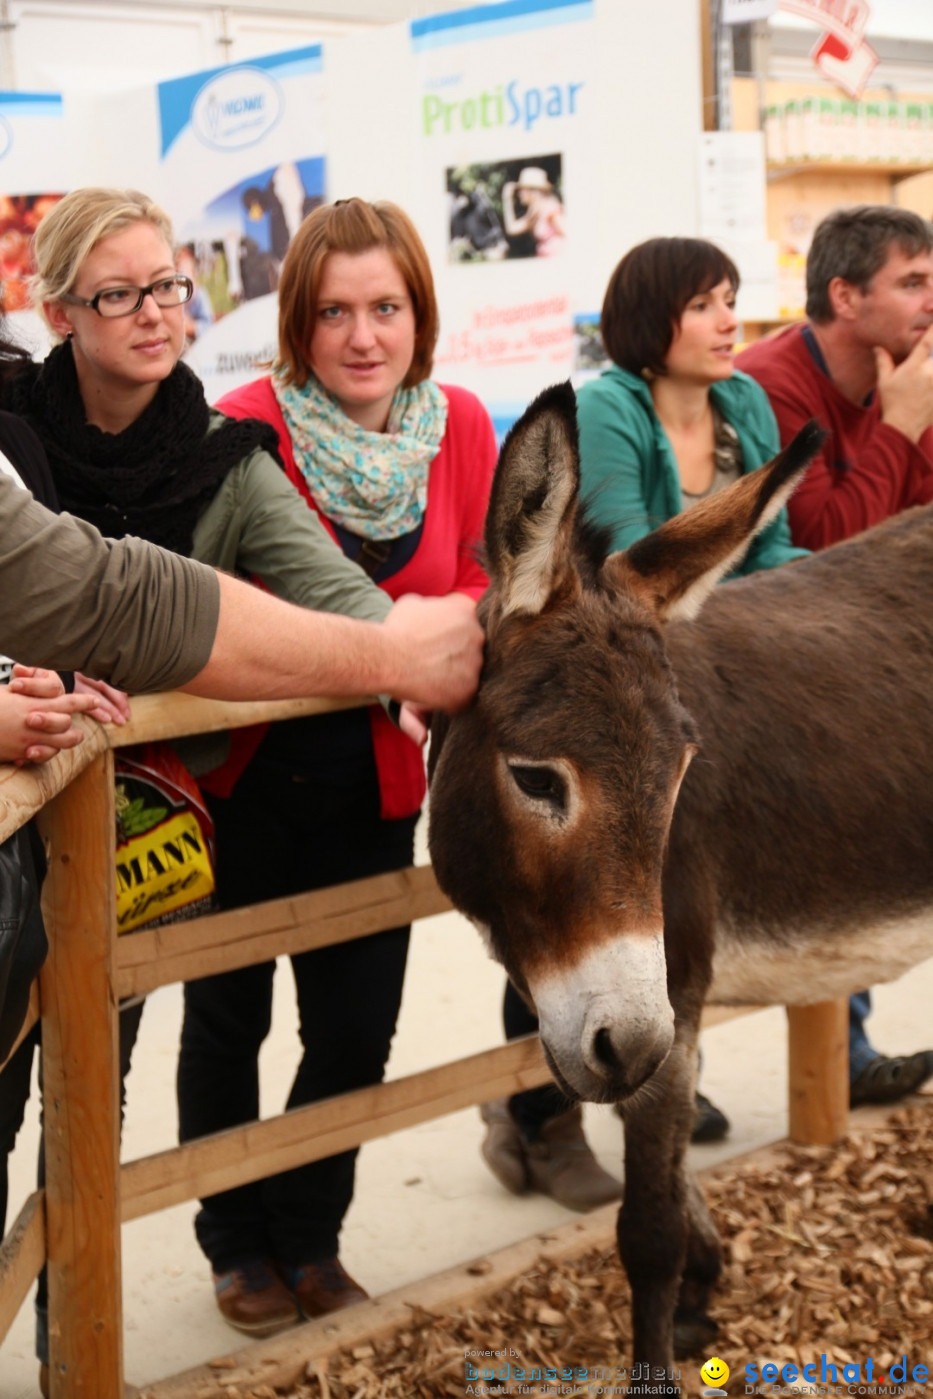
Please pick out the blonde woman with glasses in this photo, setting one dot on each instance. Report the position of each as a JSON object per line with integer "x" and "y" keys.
{"x": 134, "y": 448}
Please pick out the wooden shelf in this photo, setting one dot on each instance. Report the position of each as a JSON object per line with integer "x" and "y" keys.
{"x": 894, "y": 170}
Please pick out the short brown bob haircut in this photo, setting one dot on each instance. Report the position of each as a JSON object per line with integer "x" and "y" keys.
{"x": 648, "y": 293}
{"x": 351, "y": 226}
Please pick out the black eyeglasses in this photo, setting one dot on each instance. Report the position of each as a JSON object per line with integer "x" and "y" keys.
{"x": 123, "y": 301}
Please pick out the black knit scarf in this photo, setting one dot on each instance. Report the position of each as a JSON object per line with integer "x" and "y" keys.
{"x": 156, "y": 477}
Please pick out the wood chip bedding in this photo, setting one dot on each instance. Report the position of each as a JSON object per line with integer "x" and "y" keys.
{"x": 828, "y": 1253}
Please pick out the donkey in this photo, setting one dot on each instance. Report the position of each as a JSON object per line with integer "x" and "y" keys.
{"x": 645, "y": 808}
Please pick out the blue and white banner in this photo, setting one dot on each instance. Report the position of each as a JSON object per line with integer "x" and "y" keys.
{"x": 240, "y": 163}
{"x": 34, "y": 174}
{"x": 502, "y": 129}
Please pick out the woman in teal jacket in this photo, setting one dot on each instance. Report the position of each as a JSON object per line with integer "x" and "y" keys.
{"x": 672, "y": 420}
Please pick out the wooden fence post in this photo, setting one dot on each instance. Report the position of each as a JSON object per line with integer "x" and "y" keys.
{"x": 81, "y": 1092}
{"x": 80, "y": 1027}
{"x": 818, "y": 1069}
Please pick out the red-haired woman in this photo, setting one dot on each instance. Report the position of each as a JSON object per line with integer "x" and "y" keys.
{"x": 399, "y": 470}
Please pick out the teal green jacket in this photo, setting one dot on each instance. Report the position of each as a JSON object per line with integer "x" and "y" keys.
{"x": 628, "y": 473}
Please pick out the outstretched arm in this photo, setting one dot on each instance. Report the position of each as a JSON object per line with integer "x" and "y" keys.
{"x": 428, "y": 650}
{"x": 148, "y": 620}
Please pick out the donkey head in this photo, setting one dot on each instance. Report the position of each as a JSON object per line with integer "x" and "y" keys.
{"x": 552, "y": 795}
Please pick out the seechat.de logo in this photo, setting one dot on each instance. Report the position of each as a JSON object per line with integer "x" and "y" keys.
{"x": 236, "y": 109}
{"x": 714, "y": 1375}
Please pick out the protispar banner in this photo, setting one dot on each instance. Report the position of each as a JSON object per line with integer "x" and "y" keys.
{"x": 504, "y": 131}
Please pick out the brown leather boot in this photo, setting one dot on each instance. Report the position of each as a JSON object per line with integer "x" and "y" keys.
{"x": 561, "y": 1164}
{"x": 254, "y": 1299}
{"x": 324, "y": 1287}
{"x": 503, "y": 1148}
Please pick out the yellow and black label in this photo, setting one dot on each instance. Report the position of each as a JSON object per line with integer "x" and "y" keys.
{"x": 162, "y": 870}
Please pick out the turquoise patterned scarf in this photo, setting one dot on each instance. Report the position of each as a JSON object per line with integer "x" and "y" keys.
{"x": 374, "y": 484}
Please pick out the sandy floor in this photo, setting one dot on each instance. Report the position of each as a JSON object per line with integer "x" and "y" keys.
{"x": 424, "y": 1198}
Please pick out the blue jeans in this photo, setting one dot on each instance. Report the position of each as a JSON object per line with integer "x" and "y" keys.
{"x": 861, "y": 1053}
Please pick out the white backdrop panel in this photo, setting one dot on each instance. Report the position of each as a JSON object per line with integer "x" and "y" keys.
{"x": 601, "y": 98}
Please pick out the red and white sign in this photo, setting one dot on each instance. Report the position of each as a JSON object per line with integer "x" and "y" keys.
{"x": 843, "y": 55}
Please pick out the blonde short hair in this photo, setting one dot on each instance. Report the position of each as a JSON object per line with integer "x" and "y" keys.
{"x": 77, "y": 223}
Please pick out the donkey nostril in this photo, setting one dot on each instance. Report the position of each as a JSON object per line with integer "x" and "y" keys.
{"x": 603, "y": 1049}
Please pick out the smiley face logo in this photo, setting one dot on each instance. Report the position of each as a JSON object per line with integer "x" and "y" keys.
{"x": 715, "y": 1372}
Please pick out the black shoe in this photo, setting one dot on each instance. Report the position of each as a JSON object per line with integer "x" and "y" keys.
{"x": 885, "y": 1080}
{"x": 709, "y": 1124}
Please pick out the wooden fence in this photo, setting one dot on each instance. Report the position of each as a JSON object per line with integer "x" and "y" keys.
{"x": 74, "y": 1224}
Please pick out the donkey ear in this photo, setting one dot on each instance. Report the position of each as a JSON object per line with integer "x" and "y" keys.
{"x": 529, "y": 525}
{"x": 676, "y": 567}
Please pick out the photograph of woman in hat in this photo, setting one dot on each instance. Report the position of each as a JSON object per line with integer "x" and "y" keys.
{"x": 531, "y": 205}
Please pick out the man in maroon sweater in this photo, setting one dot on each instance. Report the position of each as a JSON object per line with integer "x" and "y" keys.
{"x": 861, "y": 364}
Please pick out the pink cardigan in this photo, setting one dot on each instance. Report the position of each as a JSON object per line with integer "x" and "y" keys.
{"x": 446, "y": 560}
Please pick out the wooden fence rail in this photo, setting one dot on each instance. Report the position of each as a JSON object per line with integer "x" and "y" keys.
{"x": 74, "y": 1225}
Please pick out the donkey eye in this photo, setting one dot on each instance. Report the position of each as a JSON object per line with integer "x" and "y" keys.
{"x": 541, "y": 783}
